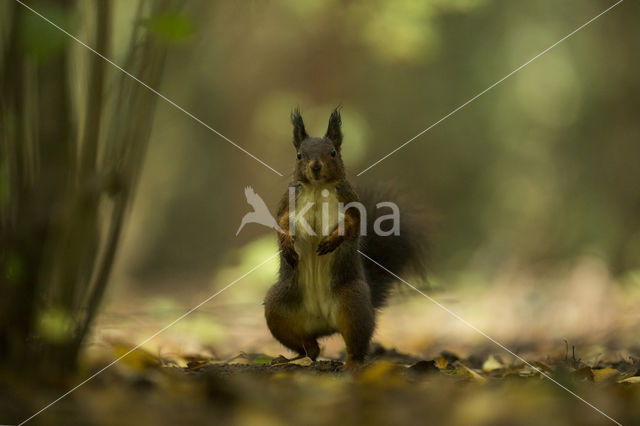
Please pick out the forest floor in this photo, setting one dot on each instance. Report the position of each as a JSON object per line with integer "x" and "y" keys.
{"x": 219, "y": 365}
{"x": 392, "y": 388}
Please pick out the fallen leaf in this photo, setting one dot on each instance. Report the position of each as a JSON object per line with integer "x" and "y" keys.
{"x": 491, "y": 364}
{"x": 279, "y": 360}
{"x": 473, "y": 375}
{"x": 305, "y": 362}
{"x": 634, "y": 379}
{"x": 441, "y": 362}
{"x": 604, "y": 374}
{"x": 196, "y": 364}
{"x": 173, "y": 360}
{"x": 139, "y": 359}
{"x": 262, "y": 360}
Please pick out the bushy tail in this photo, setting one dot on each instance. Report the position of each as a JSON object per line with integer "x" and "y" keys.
{"x": 403, "y": 254}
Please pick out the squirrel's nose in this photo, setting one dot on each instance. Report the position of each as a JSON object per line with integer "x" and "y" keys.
{"x": 316, "y": 166}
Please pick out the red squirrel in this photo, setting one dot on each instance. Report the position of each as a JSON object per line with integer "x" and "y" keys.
{"x": 325, "y": 285}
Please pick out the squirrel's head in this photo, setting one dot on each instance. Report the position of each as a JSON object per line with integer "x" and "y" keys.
{"x": 318, "y": 160}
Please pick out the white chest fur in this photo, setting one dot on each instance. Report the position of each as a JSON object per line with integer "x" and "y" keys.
{"x": 317, "y": 211}
{"x": 321, "y": 213}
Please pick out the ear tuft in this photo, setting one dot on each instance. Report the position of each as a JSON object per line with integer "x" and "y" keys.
{"x": 299, "y": 132}
{"x": 334, "y": 131}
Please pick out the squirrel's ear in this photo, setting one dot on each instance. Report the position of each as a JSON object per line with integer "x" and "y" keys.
{"x": 334, "y": 131}
{"x": 299, "y": 133}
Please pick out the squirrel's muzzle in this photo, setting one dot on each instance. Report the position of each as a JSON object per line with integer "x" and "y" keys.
{"x": 316, "y": 167}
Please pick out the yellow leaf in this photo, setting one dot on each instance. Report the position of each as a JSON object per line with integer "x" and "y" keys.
{"x": 463, "y": 369}
{"x": 602, "y": 374}
{"x": 491, "y": 364}
{"x": 139, "y": 359}
{"x": 441, "y": 362}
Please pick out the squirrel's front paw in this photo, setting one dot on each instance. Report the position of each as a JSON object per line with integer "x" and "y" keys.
{"x": 327, "y": 245}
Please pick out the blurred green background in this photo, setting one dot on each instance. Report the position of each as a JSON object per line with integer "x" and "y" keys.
{"x": 533, "y": 183}
{"x": 539, "y": 171}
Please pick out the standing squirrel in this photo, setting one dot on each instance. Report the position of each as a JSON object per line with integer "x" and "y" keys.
{"x": 325, "y": 286}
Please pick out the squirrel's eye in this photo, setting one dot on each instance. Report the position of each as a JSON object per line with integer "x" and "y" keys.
{"x": 333, "y": 152}
{"x": 299, "y": 156}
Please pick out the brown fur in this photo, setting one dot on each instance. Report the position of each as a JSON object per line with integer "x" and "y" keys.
{"x": 291, "y": 317}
